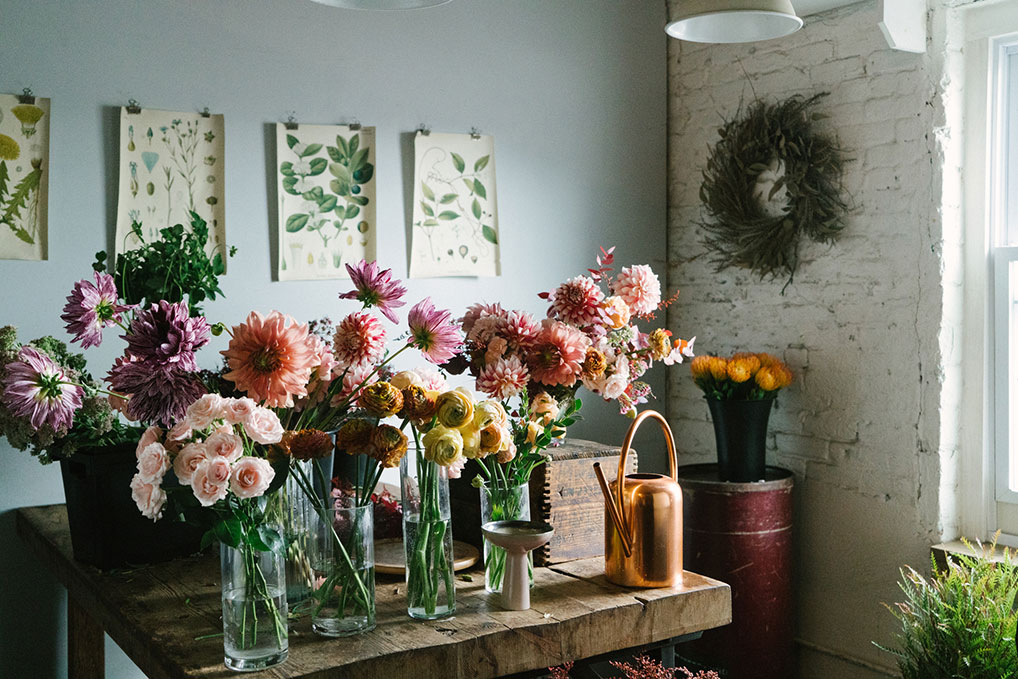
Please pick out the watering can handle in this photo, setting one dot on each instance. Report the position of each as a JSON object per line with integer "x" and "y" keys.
{"x": 624, "y": 453}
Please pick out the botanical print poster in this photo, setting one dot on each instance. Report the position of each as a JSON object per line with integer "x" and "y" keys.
{"x": 326, "y": 178}
{"x": 171, "y": 164}
{"x": 24, "y": 177}
{"x": 455, "y": 220}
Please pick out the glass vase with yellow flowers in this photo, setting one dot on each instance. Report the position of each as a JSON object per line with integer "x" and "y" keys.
{"x": 740, "y": 392}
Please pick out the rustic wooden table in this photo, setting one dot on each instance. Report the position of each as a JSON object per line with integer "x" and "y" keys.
{"x": 166, "y": 617}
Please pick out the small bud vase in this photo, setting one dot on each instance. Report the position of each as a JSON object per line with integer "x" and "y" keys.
{"x": 343, "y": 557}
{"x": 427, "y": 537}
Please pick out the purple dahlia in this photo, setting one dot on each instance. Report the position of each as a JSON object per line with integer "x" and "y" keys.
{"x": 157, "y": 392}
{"x": 166, "y": 334}
{"x": 92, "y": 307}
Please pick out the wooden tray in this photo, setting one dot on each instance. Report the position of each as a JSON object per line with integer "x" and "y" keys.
{"x": 389, "y": 556}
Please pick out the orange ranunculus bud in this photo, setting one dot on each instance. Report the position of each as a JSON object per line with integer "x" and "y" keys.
{"x": 617, "y": 311}
{"x": 660, "y": 343}
{"x": 418, "y": 404}
{"x": 354, "y": 437}
{"x": 389, "y": 445}
{"x": 594, "y": 364}
{"x": 381, "y": 399}
{"x": 310, "y": 444}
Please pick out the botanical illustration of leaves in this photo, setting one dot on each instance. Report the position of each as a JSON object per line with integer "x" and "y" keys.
{"x": 427, "y": 209}
{"x": 481, "y": 163}
{"x": 344, "y": 148}
{"x": 469, "y": 183}
{"x": 476, "y": 208}
{"x": 448, "y": 215}
{"x": 318, "y": 166}
{"x": 338, "y": 188}
{"x": 286, "y": 169}
{"x": 352, "y": 211}
{"x": 447, "y": 198}
{"x": 316, "y": 193}
{"x": 3, "y": 180}
{"x": 310, "y": 150}
{"x": 360, "y": 200}
{"x": 479, "y": 189}
{"x": 429, "y": 222}
{"x": 359, "y": 159}
{"x": 291, "y": 140}
{"x": 28, "y": 183}
{"x": 426, "y": 190}
{"x": 489, "y": 234}
{"x": 363, "y": 175}
{"x": 334, "y": 154}
{"x": 355, "y": 141}
{"x": 296, "y": 222}
{"x": 328, "y": 203}
{"x": 457, "y": 160}
{"x": 288, "y": 184}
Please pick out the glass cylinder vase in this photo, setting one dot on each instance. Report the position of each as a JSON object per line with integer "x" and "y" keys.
{"x": 501, "y": 503}
{"x": 343, "y": 558}
{"x": 427, "y": 537}
{"x": 254, "y": 607}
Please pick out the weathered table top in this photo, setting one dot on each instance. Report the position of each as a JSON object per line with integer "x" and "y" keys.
{"x": 162, "y": 616}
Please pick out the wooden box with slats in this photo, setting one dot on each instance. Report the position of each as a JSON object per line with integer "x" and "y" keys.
{"x": 564, "y": 492}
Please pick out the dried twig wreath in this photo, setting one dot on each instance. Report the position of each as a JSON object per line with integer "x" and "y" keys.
{"x": 771, "y": 179}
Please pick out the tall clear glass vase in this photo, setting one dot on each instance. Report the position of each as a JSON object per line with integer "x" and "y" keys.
{"x": 501, "y": 503}
{"x": 254, "y": 608}
{"x": 343, "y": 557}
{"x": 427, "y": 537}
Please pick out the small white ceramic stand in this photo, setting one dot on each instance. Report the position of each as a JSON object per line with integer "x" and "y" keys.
{"x": 517, "y": 538}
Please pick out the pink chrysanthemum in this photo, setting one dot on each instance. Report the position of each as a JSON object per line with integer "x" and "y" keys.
{"x": 475, "y": 311}
{"x": 486, "y": 328}
{"x": 92, "y": 307}
{"x": 359, "y": 340}
{"x": 521, "y": 330}
{"x": 36, "y": 388}
{"x": 504, "y": 378}
{"x": 558, "y": 353}
{"x": 577, "y": 302}
{"x": 639, "y": 287}
{"x": 432, "y": 331}
{"x": 270, "y": 359}
{"x": 375, "y": 288}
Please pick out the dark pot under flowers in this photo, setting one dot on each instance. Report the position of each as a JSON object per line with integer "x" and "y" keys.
{"x": 740, "y": 428}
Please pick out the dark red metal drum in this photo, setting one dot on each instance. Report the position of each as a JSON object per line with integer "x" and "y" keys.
{"x": 741, "y": 533}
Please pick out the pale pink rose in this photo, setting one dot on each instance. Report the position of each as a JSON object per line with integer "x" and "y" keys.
{"x": 263, "y": 426}
{"x": 153, "y": 463}
{"x": 455, "y": 468}
{"x": 188, "y": 459}
{"x": 236, "y": 410}
{"x": 149, "y": 497}
{"x": 224, "y": 444}
{"x": 615, "y": 386}
{"x": 219, "y": 470}
{"x": 202, "y": 412}
{"x": 151, "y": 435}
{"x": 179, "y": 432}
{"x": 406, "y": 378}
{"x": 205, "y": 486}
{"x": 251, "y": 477}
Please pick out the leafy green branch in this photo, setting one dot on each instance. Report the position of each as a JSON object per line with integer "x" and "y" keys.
{"x": 438, "y": 208}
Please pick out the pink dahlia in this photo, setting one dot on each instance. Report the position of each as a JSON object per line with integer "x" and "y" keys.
{"x": 375, "y": 288}
{"x": 486, "y": 328}
{"x": 166, "y": 333}
{"x": 577, "y": 302}
{"x": 92, "y": 307}
{"x": 158, "y": 393}
{"x": 359, "y": 340}
{"x": 475, "y": 311}
{"x": 355, "y": 378}
{"x": 36, "y": 388}
{"x": 558, "y": 353}
{"x": 504, "y": 378}
{"x": 432, "y": 331}
{"x": 521, "y": 330}
{"x": 270, "y": 358}
{"x": 639, "y": 287}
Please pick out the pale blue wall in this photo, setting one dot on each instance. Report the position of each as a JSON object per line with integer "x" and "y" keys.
{"x": 574, "y": 92}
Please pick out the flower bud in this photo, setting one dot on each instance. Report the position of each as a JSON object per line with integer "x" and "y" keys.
{"x": 381, "y": 399}
{"x": 389, "y": 445}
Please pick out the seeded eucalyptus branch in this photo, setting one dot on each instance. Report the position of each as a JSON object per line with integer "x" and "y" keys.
{"x": 170, "y": 268}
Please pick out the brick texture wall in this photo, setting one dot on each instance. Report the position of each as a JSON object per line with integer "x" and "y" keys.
{"x": 860, "y": 325}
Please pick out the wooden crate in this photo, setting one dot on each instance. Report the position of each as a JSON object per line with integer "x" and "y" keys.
{"x": 564, "y": 492}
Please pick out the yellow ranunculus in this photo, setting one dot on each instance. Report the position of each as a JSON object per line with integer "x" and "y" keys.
{"x": 443, "y": 445}
{"x": 487, "y": 413}
{"x": 454, "y": 409}
{"x": 405, "y": 378}
{"x": 471, "y": 442}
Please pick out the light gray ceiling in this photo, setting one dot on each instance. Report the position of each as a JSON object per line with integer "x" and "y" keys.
{"x": 807, "y": 7}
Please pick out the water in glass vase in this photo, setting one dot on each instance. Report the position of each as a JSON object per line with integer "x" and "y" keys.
{"x": 344, "y": 612}
{"x": 252, "y": 638}
{"x": 429, "y": 568}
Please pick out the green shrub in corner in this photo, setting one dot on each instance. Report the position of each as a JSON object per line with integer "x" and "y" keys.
{"x": 960, "y": 622}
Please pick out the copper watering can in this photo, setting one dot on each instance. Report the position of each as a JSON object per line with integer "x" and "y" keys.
{"x": 643, "y": 519}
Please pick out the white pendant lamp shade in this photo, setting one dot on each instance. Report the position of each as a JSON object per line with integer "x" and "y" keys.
{"x": 725, "y": 21}
{"x": 382, "y": 4}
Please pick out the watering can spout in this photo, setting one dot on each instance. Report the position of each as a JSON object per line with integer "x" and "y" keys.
{"x": 617, "y": 519}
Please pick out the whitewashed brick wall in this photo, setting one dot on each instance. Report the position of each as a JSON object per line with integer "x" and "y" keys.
{"x": 860, "y": 326}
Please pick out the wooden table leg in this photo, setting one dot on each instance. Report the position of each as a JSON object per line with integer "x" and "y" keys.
{"x": 86, "y": 651}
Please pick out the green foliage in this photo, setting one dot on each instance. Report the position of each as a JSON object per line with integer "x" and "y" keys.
{"x": 170, "y": 268}
{"x": 740, "y": 232}
{"x": 960, "y": 622}
{"x": 18, "y": 200}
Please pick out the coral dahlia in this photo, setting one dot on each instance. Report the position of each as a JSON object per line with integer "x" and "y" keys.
{"x": 270, "y": 358}
{"x": 558, "y": 354}
{"x": 359, "y": 340}
{"x": 639, "y": 287}
{"x": 504, "y": 378}
{"x": 577, "y": 302}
